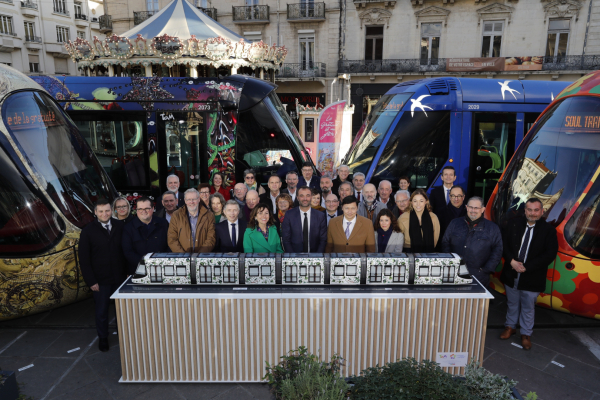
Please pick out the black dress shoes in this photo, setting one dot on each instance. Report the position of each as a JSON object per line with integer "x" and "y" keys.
{"x": 103, "y": 344}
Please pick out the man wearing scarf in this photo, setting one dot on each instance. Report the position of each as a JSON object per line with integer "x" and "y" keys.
{"x": 369, "y": 207}
{"x": 476, "y": 240}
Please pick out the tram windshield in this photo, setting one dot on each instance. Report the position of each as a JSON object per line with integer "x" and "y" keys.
{"x": 554, "y": 163}
{"x": 374, "y": 130}
{"x": 583, "y": 229}
{"x": 60, "y": 157}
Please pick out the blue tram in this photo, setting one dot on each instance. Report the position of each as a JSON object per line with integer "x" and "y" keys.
{"x": 475, "y": 125}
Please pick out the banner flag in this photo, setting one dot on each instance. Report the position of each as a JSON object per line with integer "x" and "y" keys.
{"x": 330, "y": 135}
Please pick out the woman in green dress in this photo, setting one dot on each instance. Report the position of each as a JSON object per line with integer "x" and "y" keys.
{"x": 261, "y": 234}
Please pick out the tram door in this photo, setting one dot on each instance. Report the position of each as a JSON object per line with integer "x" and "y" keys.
{"x": 493, "y": 144}
{"x": 183, "y": 144}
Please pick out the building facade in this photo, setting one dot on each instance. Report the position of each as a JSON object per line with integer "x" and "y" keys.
{"x": 33, "y": 34}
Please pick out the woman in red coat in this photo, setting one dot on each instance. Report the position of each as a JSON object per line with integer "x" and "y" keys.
{"x": 217, "y": 186}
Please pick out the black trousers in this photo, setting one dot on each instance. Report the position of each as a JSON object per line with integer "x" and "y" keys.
{"x": 102, "y": 300}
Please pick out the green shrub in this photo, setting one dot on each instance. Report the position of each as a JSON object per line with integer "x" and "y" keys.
{"x": 408, "y": 379}
{"x": 486, "y": 385}
{"x": 303, "y": 376}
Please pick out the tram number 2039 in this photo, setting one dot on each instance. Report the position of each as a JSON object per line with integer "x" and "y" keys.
{"x": 473, "y": 107}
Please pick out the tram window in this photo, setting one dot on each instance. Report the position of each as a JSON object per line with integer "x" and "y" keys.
{"x": 262, "y": 143}
{"x": 64, "y": 163}
{"x": 375, "y": 127}
{"x": 493, "y": 146}
{"x": 555, "y": 163}
{"x": 119, "y": 146}
{"x": 530, "y": 119}
{"x": 417, "y": 148}
{"x": 583, "y": 229}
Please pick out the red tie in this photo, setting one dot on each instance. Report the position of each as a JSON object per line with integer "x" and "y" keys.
{"x": 358, "y": 196}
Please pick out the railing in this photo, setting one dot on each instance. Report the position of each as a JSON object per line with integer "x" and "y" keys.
{"x": 393, "y": 66}
{"x": 141, "y": 16}
{"x": 561, "y": 63}
{"x": 33, "y": 39}
{"x": 81, "y": 17}
{"x": 307, "y": 10}
{"x": 105, "y": 22}
{"x": 6, "y": 1}
{"x": 211, "y": 12}
{"x": 8, "y": 33}
{"x": 61, "y": 12}
{"x": 250, "y": 13}
{"x": 29, "y": 4}
{"x": 302, "y": 70}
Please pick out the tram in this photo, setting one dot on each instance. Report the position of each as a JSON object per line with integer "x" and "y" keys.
{"x": 559, "y": 163}
{"x": 474, "y": 125}
{"x": 144, "y": 129}
{"x": 50, "y": 181}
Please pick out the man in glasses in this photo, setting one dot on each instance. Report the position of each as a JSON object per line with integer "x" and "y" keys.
{"x": 291, "y": 179}
{"x": 402, "y": 198}
{"x": 455, "y": 209}
{"x": 204, "y": 190}
{"x": 145, "y": 234}
{"x": 192, "y": 228}
{"x": 308, "y": 178}
{"x": 332, "y": 207}
{"x": 476, "y": 240}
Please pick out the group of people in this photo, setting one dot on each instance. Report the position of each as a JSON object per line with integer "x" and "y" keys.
{"x": 320, "y": 215}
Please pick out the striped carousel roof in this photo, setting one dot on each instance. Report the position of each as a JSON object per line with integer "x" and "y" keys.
{"x": 181, "y": 19}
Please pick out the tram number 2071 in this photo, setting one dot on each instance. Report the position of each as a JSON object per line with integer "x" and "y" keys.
{"x": 473, "y": 107}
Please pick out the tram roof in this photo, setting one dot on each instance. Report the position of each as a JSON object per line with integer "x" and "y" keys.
{"x": 477, "y": 90}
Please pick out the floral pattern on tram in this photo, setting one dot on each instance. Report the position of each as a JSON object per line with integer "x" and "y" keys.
{"x": 389, "y": 275}
{"x": 345, "y": 270}
{"x": 254, "y": 272}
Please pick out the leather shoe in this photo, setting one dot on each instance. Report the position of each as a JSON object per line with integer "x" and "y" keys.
{"x": 103, "y": 344}
{"x": 526, "y": 342}
{"x": 507, "y": 333}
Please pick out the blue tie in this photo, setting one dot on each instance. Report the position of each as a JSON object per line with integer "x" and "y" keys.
{"x": 233, "y": 235}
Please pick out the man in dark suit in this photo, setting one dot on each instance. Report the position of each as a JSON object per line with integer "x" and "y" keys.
{"x": 384, "y": 190}
{"x": 308, "y": 178}
{"x": 455, "y": 209}
{"x": 440, "y": 195}
{"x": 269, "y": 198}
{"x": 173, "y": 186}
{"x": 291, "y": 179}
{"x": 343, "y": 175}
{"x": 304, "y": 229}
{"x": 252, "y": 200}
{"x": 332, "y": 207}
{"x": 103, "y": 265}
{"x": 169, "y": 206}
{"x": 230, "y": 233}
{"x": 530, "y": 245}
{"x": 146, "y": 233}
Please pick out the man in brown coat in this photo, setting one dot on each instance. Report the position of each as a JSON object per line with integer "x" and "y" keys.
{"x": 350, "y": 233}
{"x": 181, "y": 237}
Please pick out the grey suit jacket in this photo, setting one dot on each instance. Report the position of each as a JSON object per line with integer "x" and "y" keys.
{"x": 394, "y": 244}
{"x": 362, "y": 210}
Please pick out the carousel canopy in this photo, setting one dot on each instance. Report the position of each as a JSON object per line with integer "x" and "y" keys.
{"x": 179, "y": 18}
{"x": 178, "y": 34}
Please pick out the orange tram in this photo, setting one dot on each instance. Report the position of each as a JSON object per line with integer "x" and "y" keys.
{"x": 559, "y": 162}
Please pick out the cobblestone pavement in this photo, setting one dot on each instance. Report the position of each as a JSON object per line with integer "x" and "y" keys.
{"x": 61, "y": 346}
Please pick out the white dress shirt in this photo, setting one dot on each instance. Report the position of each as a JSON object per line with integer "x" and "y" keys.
{"x": 168, "y": 216}
{"x": 352, "y": 223}
{"x": 293, "y": 194}
{"x": 274, "y": 201}
{"x": 302, "y": 222}
{"x": 532, "y": 228}
{"x": 330, "y": 218}
{"x": 108, "y": 224}
{"x": 237, "y": 231}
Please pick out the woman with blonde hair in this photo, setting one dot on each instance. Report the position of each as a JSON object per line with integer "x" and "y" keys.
{"x": 420, "y": 227}
{"x": 122, "y": 209}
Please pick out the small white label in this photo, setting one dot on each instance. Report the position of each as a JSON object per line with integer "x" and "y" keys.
{"x": 72, "y": 350}
{"x": 114, "y": 333}
{"x": 450, "y": 359}
{"x": 559, "y": 364}
{"x": 388, "y": 288}
{"x": 240, "y": 288}
{"x": 517, "y": 345}
{"x": 25, "y": 367}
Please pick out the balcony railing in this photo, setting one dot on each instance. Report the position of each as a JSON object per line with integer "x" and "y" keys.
{"x": 392, "y": 66}
{"x": 29, "y": 4}
{"x": 105, "y": 22}
{"x": 211, "y": 12}
{"x": 61, "y": 12}
{"x": 82, "y": 17}
{"x": 33, "y": 39}
{"x": 307, "y": 10}
{"x": 141, "y": 16}
{"x": 363, "y": 3}
{"x": 251, "y": 14}
{"x": 570, "y": 63}
{"x": 302, "y": 70}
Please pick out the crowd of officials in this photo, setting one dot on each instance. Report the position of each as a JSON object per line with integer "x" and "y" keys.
{"x": 320, "y": 215}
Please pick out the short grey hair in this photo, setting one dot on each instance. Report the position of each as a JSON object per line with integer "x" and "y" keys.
{"x": 385, "y": 182}
{"x": 232, "y": 203}
{"x": 344, "y": 166}
{"x": 170, "y": 176}
{"x": 114, "y": 205}
{"x": 169, "y": 192}
{"x": 357, "y": 174}
{"x": 191, "y": 190}
{"x": 478, "y": 199}
{"x": 406, "y": 192}
{"x": 346, "y": 183}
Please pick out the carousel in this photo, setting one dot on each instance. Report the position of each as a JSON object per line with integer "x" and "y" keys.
{"x": 178, "y": 41}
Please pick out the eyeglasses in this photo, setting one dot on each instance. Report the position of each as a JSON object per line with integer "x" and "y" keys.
{"x": 460, "y": 196}
{"x": 144, "y": 209}
{"x": 250, "y": 178}
{"x": 121, "y": 207}
{"x": 191, "y": 200}
{"x": 474, "y": 208}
